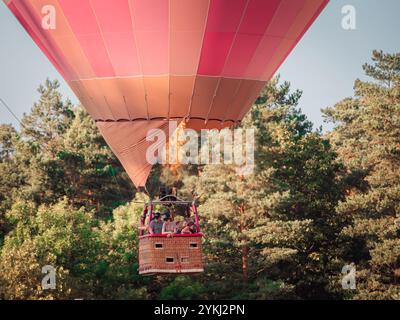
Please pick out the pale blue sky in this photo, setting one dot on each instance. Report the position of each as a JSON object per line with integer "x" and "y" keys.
{"x": 324, "y": 64}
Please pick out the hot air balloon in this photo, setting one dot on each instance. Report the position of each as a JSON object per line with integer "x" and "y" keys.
{"x": 135, "y": 65}
{"x": 166, "y": 254}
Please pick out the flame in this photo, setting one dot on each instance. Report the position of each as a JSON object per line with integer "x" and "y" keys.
{"x": 177, "y": 146}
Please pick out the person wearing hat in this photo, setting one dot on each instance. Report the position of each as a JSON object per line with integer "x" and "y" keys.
{"x": 156, "y": 225}
{"x": 169, "y": 226}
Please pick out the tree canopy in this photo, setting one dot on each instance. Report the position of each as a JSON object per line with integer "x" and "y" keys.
{"x": 316, "y": 201}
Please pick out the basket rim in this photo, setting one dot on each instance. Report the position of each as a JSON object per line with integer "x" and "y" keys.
{"x": 179, "y": 235}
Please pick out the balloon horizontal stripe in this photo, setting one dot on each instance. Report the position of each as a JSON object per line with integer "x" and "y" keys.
{"x": 166, "y": 97}
{"x": 122, "y": 38}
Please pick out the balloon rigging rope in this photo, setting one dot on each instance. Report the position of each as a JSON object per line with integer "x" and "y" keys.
{"x": 11, "y": 112}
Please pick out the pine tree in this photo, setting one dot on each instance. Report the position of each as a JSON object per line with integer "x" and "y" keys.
{"x": 298, "y": 232}
{"x": 60, "y": 152}
{"x": 367, "y": 139}
{"x": 90, "y": 173}
{"x": 280, "y": 223}
{"x": 9, "y": 177}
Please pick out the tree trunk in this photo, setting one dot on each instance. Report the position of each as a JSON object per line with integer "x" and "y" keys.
{"x": 245, "y": 251}
{"x": 245, "y": 248}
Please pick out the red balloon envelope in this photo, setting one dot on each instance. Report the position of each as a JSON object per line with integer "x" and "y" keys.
{"x": 136, "y": 64}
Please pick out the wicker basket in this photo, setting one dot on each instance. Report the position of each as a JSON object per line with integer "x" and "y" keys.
{"x": 159, "y": 254}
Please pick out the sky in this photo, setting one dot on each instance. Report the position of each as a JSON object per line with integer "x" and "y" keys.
{"x": 324, "y": 65}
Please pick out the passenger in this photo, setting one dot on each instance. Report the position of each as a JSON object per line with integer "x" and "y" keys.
{"x": 156, "y": 225}
{"x": 180, "y": 225}
{"x": 188, "y": 218}
{"x": 189, "y": 228}
{"x": 169, "y": 226}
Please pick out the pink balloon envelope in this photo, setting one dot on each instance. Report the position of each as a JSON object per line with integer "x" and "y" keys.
{"x": 137, "y": 64}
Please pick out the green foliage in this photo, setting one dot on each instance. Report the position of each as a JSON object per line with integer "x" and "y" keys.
{"x": 314, "y": 203}
{"x": 9, "y": 174}
{"x": 280, "y": 223}
{"x": 91, "y": 259}
{"x": 59, "y": 236}
{"x": 367, "y": 140}
{"x": 60, "y": 152}
{"x": 183, "y": 288}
